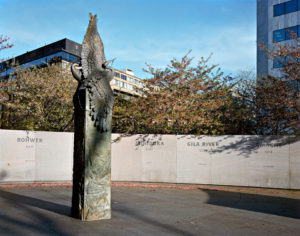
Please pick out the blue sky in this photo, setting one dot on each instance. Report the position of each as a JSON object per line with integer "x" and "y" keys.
{"x": 139, "y": 31}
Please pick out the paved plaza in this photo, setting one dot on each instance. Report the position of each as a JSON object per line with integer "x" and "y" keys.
{"x": 153, "y": 211}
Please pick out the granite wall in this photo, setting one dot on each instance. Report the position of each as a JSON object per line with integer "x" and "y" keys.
{"x": 258, "y": 161}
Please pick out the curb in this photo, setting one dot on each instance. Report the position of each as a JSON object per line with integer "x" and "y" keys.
{"x": 250, "y": 190}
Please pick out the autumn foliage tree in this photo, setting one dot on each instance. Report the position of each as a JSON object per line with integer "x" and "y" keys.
{"x": 182, "y": 99}
{"x": 242, "y": 107}
{"x": 278, "y": 97}
{"x": 39, "y": 99}
{"x": 3, "y": 45}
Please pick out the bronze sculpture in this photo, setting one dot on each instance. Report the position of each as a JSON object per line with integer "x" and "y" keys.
{"x": 93, "y": 102}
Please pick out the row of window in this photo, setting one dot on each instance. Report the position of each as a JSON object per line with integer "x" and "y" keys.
{"x": 280, "y": 62}
{"x": 286, "y": 34}
{"x": 127, "y": 78}
{"x": 286, "y": 7}
{"x": 125, "y": 85}
{"x": 42, "y": 61}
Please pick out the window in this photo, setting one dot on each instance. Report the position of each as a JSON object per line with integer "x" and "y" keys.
{"x": 142, "y": 84}
{"x": 291, "y": 32}
{"x": 129, "y": 86}
{"x": 136, "y": 81}
{"x": 279, "y": 35}
{"x": 117, "y": 82}
{"x": 286, "y": 7}
{"x": 123, "y": 85}
{"x": 290, "y": 6}
{"x": 286, "y": 34}
{"x": 279, "y": 9}
{"x": 124, "y": 77}
{"x": 129, "y": 79}
{"x": 116, "y": 74}
{"x": 64, "y": 65}
{"x": 278, "y": 62}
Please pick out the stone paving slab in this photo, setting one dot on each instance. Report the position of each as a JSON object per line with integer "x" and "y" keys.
{"x": 151, "y": 210}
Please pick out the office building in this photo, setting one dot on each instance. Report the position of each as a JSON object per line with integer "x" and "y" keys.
{"x": 65, "y": 51}
{"x": 276, "y": 19}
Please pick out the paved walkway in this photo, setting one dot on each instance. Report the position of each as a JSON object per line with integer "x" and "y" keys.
{"x": 153, "y": 211}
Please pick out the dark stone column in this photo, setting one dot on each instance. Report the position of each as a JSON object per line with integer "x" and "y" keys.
{"x": 91, "y": 198}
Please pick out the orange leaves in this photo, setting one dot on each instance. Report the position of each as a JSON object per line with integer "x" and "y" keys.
{"x": 276, "y": 104}
{"x": 277, "y": 96}
{"x": 180, "y": 99}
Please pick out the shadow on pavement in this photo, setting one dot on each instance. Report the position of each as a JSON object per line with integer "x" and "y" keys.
{"x": 38, "y": 223}
{"x": 21, "y": 214}
{"x": 49, "y": 206}
{"x": 274, "y": 205}
{"x": 132, "y": 213}
{"x": 47, "y": 225}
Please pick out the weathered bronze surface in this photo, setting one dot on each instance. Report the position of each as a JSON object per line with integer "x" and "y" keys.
{"x": 93, "y": 102}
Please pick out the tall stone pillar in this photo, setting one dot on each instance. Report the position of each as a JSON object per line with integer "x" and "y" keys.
{"x": 93, "y": 102}
{"x": 91, "y": 173}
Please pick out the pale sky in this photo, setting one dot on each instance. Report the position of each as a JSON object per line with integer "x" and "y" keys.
{"x": 139, "y": 31}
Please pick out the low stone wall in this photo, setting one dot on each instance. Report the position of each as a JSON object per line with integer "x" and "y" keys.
{"x": 35, "y": 156}
{"x": 258, "y": 161}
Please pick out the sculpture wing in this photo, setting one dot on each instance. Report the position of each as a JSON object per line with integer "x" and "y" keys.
{"x": 92, "y": 54}
{"x": 96, "y": 77}
{"x": 101, "y": 103}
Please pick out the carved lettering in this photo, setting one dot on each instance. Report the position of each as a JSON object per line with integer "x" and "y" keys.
{"x": 29, "y": 140}
{"x": 203, "y": 144}
{"x": 149, "y": 143}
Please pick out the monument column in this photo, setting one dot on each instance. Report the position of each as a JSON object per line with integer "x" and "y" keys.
{"x": 93, "y": 101}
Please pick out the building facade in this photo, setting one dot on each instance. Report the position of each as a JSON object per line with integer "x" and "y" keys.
{"x": 276, "y": 19}
{"x": 64, "y": 52}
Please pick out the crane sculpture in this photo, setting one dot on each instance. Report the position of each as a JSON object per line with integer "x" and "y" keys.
{"x": 93, "y": 102}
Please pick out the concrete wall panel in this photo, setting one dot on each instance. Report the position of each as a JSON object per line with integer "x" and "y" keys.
{"x": 193, "y": 161}
{"x": 229, "y": 160}
{"x": 126, "y": 160}
{"x": 269, "y": 163}
{"x": 17, "y": 161}
{"x": 295, "y": 164}
{"x": 54, "y": 156}
{"x": 158, "y": 157}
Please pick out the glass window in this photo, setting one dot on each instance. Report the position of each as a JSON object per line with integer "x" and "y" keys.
{"x": 142, "y": 84}
{"x": 279, "y": 35}
{"x": 290, "y": 6}
{"x": 129, "y": 86}
{"x": 136, "y": 81}
{"x": 290, "y": 32}
{"x": 278, "y": 62}
{"x": 124, "y": 77}
{"x": 279, "y": 9}
{"x": 117, "y": 83}
{"x": 3, "y": 66}
{"x": 123, "y": 85}
{"x": 116, "y": 74}
{"x": 299, "y": 30}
